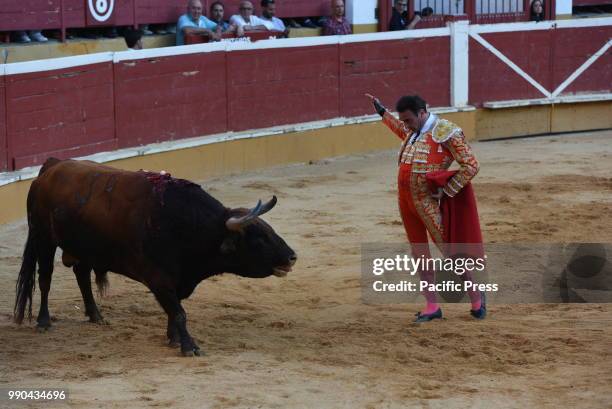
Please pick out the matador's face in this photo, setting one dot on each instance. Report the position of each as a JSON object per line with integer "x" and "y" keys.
{"x": 412, "y": 121}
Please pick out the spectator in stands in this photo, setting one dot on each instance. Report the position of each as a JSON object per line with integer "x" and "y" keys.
{"x": 246, "y": 20}
{"x": 217, "y": 12}
{"x": 133, "y": 39}
{"x": 193, "y": 22}
{"x": 337, "y": 24}
{"x": 399, "y": 18}
{"x": 35, "y": 35}
{"x": 537, "y": 11}
{"x": 268, "y": 16}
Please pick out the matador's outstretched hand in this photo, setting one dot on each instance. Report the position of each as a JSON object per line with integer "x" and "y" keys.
{"x": 380, "y": 109}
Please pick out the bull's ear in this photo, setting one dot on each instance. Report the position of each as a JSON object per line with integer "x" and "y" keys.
{"x": 228, "y": 246}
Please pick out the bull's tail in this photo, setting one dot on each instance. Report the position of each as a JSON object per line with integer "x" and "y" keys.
{"x": 102, "y": 282}
{"x": 27, "y": 275}
{"x": 26, "y": 280}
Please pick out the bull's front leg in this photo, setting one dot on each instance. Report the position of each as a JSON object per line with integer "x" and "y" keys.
{"x": 188, "y": 345}
{"x": 177, "y": 317}
{"x": 174, "y": 338}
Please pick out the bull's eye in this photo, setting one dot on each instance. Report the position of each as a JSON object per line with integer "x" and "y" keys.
{"x": 228, "y": 246}
{"x": 257, "y": 243}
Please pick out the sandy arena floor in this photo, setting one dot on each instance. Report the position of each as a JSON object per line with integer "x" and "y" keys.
{"x": 308, "y": 340}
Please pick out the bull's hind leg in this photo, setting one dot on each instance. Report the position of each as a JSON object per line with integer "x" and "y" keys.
{"x": 83, "y": 276}
{"x": 46, "y": 255}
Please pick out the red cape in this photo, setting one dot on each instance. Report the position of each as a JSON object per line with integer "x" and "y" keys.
{"x": 459, "y": 217}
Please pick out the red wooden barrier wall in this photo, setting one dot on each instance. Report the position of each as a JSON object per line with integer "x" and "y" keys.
{"x": 282, "y": 86}
{"x": 74, "y": 14}
{"x": 492, "y": 80}
{"x": 548, "y": 56}
{"x": 389, "y": 69}
{"x": 124, "y": 12}
{"x": 152, "y": 12}
{"x": 572, "y": 47}
{"x": 3, "y": 140}
{"x": 170, "y": 98}
{"x": 27, "y": 14}
{"x": 97, "y": 107}
{"x": 63, "y": 113}
{"x": 303, "y": 8}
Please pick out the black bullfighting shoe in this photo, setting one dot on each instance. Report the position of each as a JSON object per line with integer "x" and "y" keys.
{"x": 481, "y": 313}
{"x": 428, "y": 317}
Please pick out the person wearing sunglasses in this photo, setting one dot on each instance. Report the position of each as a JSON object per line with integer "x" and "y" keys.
{"x": 399, "y": 17}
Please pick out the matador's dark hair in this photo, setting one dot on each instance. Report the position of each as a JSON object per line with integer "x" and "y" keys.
{"x": 414, "y": 103}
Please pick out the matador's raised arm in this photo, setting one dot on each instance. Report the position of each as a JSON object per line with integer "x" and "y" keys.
{"x": 396, "y": 126}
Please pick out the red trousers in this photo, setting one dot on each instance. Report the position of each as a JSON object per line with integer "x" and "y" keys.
{"x": 420, "y": 212}
{"x": 421, "y": 215}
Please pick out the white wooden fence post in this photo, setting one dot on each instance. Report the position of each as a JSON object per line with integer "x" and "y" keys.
{"x": 459, "y": 63}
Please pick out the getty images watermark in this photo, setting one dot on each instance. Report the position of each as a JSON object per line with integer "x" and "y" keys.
{"x": 462, "y": 266}
{"x": 508, "y": 273}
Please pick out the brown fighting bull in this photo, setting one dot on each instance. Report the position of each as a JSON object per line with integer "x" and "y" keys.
{"x": 166, "y": 233}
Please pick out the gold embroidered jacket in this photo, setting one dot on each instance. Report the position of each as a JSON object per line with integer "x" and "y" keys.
{"x": 435, "y": 150}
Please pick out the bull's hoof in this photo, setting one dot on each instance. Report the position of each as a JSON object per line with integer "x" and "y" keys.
{"x": 174, "y": 340}
{"x": 193, "y": 351}
{"x": 43, "y": 327}
{"x": 98, "y": 320}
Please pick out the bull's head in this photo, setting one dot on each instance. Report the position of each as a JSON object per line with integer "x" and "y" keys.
{"x": 252, "y": 248}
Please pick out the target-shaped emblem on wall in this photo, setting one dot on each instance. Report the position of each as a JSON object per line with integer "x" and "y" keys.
{"x": 101, "y": 10}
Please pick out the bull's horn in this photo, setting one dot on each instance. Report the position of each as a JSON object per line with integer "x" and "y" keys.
{"x": 238, "y": 223}
{"x": 268, "y": 206}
